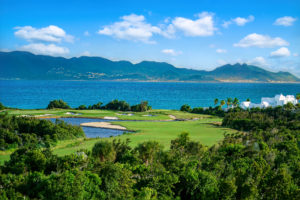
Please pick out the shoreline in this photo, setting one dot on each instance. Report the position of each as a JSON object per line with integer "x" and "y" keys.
{"x": 161, "y": 81}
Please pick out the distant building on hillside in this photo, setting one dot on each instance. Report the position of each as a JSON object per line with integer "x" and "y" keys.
{"x": 278, "y": 100}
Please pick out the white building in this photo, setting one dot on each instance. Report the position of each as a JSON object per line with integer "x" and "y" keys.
{"x": 278, "y": 100}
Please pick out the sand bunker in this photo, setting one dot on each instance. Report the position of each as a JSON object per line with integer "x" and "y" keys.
{"x": 44, "y": 115}
{"x": 172, "y": 117}
{"x": 148, "y": 115}
{"x": 103, "y": 125}
{"x": 127, "y": 114}
{"x": 71, "y": 113}
{"x": 113, "y": 118}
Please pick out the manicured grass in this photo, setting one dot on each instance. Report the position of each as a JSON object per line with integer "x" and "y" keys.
{"x": 202, "y": 129}
{"x": 155, "y": 114}
{"x": 163, "y": 132}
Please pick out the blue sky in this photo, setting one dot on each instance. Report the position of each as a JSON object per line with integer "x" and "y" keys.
{"x": 193, "y": 34}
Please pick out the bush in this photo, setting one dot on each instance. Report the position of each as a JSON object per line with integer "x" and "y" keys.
{"x": 117, "y": 105}
{"x": 24, "y": 131}
{"x": 58, "y": 104}
{"x": 82, "y": 107}
{"x": 2, "y": 107}
{"x": 104, "y": 151}
{"x": 186, "y": 108}
{"x": 142, "y": 107}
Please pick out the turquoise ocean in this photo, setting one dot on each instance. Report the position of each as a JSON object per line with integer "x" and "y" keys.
{"x": 31, "y": 94}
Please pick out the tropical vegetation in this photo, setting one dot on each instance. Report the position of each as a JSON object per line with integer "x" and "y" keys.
{"x": 262, "y": 161}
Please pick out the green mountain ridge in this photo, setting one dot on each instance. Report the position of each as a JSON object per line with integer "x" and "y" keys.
{"x": 28, "y": 66}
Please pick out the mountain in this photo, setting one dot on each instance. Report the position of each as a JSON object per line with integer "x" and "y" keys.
{"x": 25, "y": 65}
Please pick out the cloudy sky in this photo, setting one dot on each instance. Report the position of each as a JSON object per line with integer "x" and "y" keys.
{"x": 194, "y": 34}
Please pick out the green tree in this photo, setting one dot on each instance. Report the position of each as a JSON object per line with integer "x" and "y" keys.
{"x": 117, "y": 181}
{"x": 96, "y": 106}
{"x": 104, "y": 151}
{"x": 298, "y": 97}
{"x": 289, "y": 106}
{"x": 236, "y": 102}
{"x": 58, "y": 104}
{"x": 148, "y": 151}
{"x": 2, "y": 107}
{"x": 82, "y": 107}
{"x": 228, "y": 102}
{"x": 216, "y": 101}
{"x": 222, "y": 103}
{"x": 186, "y": 108}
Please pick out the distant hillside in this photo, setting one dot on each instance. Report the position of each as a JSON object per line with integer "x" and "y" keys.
{"x": 25, "y": 65}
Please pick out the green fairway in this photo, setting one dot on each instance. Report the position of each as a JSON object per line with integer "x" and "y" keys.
{"x": 149, "y": 115}
{"x": 163, "y": 132}
{"x": 201, "y": 129}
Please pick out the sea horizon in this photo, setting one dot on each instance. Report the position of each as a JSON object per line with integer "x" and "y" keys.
{"x": 36, "y": 94}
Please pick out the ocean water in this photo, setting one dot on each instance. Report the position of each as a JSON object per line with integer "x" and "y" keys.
{"x": 165, "y": 95}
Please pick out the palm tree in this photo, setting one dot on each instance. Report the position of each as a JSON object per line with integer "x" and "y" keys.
{"x": 298, "y": 96}
{"x": 216, "y": 101}
{"x": 222, "y": 103}
{"x": 236, "y": 102}
{"x": 228, "y": 102}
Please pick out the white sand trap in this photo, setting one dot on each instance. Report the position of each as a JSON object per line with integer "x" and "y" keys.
{"x": 127, "y": 114}
{"x": 72, "y": 113}
{"x": 148, "y": 115}
{"x": 45, "y": 115}
{"x": 113, "y": 118}
{"x": 26, "y": 115}
{"x": 103, "y": 125}
{"x": 172, "y": 117}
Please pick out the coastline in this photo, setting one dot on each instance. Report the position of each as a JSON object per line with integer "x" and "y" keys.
{"x": 157, "y": 81}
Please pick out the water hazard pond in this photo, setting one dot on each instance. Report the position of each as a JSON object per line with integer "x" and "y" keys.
{"x": 92, "y": 132}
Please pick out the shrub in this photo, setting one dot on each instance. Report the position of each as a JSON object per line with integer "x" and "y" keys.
{"x": 58, "y": 104}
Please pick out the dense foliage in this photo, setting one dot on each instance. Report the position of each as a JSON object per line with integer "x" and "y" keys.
{"x": 58, "y": 104}
{"x": 142, "y": 107}
{"x": 118, "y": 105}
{"x": 2, "y": 107}
{"x": 91, "y": 107}
{"x": 262, "y": 163}
{"x": 25, "y": 131}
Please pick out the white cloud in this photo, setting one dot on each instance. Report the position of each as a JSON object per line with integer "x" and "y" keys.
{"x": 132, "y": 27}
{"x": 168, "y": 31}
{"x": 221, "y": 50}
{"x": 285, "y": 21}
{"x": 171, "y": 52}
{"x": 262, "y": 41}
{"x": 86, "y": 53}
{"x": 258, "y": 61}
{"x": 204, "y": 26}
{"x": 282, "y": 52}
{"x": 50, "y": 49}
{"x": 86, "y": 33}
{"x": 240, "y": 21}
{"x": 48, "y": 34}
{"x": 226, "y": 24}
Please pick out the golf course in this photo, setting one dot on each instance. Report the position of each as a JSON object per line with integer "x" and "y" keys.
{"x": 159, "y": 125}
